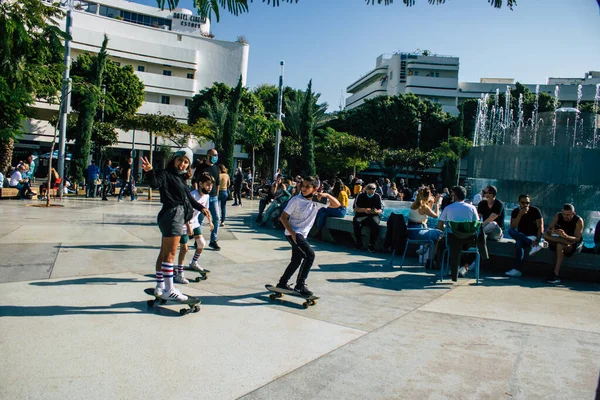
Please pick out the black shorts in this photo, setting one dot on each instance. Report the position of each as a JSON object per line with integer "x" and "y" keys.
{"x": 576, "y": 248}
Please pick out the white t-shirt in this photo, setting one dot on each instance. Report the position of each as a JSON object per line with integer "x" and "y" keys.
{"x": 202, "y": 199}
{"x": 302, "y": 214}
{"x": 15, "y": 178}
{"x": 460, "y": 211}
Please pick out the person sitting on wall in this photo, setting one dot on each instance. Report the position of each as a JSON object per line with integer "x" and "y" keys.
{"x": 564, "y": 236}
{"x": 526, "y": 227}
{"x": 367, "y": 211}
{"x": 18, "y": 181}
{"x": 392, "y": 192}
{"x": 491, "y": 210}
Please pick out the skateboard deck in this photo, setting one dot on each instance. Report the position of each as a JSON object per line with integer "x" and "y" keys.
{"x": 203, "y": 274}
{"x": 192, "y": 302}
{"x": 278, "y": 293}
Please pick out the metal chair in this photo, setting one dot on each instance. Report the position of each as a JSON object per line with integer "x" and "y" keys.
{"x": 476, "y": 227}
{"x": 416, "y": 241}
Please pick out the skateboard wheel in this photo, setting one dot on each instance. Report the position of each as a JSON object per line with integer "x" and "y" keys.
{"x": 196, "y": 308}
{"x": 272, "y": 296}
{"x": 313, "y": 302}
{"x": 183, "y": 311}
{"x": 305, "y": 305}
{"x": 204, "y": 277}
{"x": 279, "y": 295}
{"x": 150, "y": 303}
{"x": 198, "y": 279}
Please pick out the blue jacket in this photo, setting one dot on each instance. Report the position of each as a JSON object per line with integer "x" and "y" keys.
{"x": 93, "y": 172}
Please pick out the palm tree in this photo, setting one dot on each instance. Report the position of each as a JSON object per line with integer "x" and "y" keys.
{"x": 207, "y": 7}
{"x": 216, "y": 112}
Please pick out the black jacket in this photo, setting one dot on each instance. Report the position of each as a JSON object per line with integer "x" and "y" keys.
{"x": 173, "y": 191}
{"x": 397, "y": 233}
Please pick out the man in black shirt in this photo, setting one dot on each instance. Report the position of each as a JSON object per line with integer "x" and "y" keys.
{"x": 367, "y": 211}
{"x": 127, "y": 180}
{"x": 491, "y": 210}
{"x": 209, "y": 164}
{"x": 526, "y": 227}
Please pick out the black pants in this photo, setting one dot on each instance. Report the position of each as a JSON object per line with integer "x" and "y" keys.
{"x": 302, "y": 253}
{"x": 237, "y": 194}
{"x": 262, "y": 204}
{"x": 106, "y": 188}
{"x": 370, "y": 223}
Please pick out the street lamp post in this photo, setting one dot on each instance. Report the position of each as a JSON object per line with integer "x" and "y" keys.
{"x": 279, "y": 117}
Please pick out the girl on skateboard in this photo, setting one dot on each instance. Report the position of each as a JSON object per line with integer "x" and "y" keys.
{"x": 297, "y": 218}
{"x": 176, "y": 210}
{"x": 194, "y": 228}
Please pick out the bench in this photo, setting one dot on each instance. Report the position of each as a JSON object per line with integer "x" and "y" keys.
{"x": 502, "y": 252}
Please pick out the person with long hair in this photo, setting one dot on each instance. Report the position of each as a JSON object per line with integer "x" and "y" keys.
{"x": 224, "y": 183}
{"x": 177, "y": 203}
{"x": 419, "y": 213}
{"x": 340, "y": 193}
{"x": 238, "y": 179}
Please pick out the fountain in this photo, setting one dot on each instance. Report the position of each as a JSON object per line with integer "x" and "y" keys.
{"x": 551, "y": 155}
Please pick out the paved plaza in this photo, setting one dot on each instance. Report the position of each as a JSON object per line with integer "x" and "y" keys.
{"x": 74, "y": 321}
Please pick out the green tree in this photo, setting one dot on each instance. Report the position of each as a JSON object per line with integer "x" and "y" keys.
{"x": 338, "y": 152}
{"x": 231, "y": 125}
{"x": 307, "y": 137}
{"x": 85, "y": 122}
{"x": 216, "y": 113}
{"x": 206, "y": 8}
{"x": 30, "y": 65}
{"x": 452, "y": 151}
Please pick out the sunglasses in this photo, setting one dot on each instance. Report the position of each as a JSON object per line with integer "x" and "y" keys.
{"x": 525, "y": 203}
{"x": 484, "y": 192}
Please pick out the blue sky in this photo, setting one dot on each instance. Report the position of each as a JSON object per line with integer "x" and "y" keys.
{"x": 334, "y": 42}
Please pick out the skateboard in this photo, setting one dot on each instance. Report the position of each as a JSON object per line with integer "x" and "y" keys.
{"x": 192, "y": 302}
{"x": 203, "y": 274}
{"x": 278, "y": 293}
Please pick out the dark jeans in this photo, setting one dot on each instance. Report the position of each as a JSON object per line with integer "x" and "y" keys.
{"x": 223, "y": 196}
{"x": 213, "y": 207}
{"x": 129, "y": 186}
{"x": 237, "y": 194}
{"x": 92, "y": 188}
{"x": 324, "y": 213}
{"x": 106, "y": 188}
{"x": 303, "y": 256}
{"x": 370, "y": 223}
{"x": 24, "y": 188}
{"x": 522, "y": 243}
{"x": 262, "y": 204}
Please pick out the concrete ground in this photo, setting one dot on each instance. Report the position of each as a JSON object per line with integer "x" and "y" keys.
{"x": 74, "y": 321}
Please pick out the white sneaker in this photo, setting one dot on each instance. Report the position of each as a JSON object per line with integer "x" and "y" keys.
{"x": 462, "y": 271}
{"x": 174, "y": 294}
{"x": 195, "y": 266}
{"x": 421, "y": 250}
{"x": 513, "y": 272}
{"x": 535, "y": 249}
{"x": 179, "y": 278}
{"x": 158, "y": 291}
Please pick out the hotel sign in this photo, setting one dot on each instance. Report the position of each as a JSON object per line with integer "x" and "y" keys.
{"x": 188, "y": 21}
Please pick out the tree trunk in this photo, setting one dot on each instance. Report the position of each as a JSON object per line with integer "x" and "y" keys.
{"x": 151, "y": 152}
{"x": 6, "y": 152}
{"x": 253, "y": 172}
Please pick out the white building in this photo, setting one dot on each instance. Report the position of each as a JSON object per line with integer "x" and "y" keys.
{"x": 435, "y": 77}
{"x": 170, "y": 52}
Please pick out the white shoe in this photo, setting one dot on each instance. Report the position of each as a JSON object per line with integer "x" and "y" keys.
{"x": 513, "y": 272}
{"x": 174, "y": 294}
{"x": 535, "y": 249}
{"x": 195, "y": 266}
{"x": 462, "y": 271}
{"x": 179, "y": 278}
{"x": 158, "y": 291}
{"x": 421, "y": 250}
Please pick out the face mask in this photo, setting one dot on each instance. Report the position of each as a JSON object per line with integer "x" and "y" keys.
{"x": 214, "y": 159}
{"x": 369, "y": 195}
{"x": 205, "y": 191}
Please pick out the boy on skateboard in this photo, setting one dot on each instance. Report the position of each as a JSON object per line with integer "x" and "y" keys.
{"x": 297, "y": 219}
{"x": 194, "y": 227}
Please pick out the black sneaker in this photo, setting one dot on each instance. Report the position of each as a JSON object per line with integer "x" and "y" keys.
{"x": 302, "y": 290}
{"x": 553, "y": 279}
{"x": 357, "y": 246}
{"x": 215, "y": 246}
{"x": 284, "y": 286}
{"x": 371, "y": 249}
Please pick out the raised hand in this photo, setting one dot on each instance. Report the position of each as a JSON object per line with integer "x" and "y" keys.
{"x": 146, "y": 166}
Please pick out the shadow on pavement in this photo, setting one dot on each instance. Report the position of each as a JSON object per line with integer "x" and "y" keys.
{"x": 362, "y": 266}
{"x": 111, "y": 247}
{"x": 399, "y": 282}
{"x": 90, "y": 281}
{"x": 534, "y": 283}
{"x": 117, "y": 308}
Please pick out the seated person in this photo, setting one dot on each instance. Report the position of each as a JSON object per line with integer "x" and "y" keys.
{"x": 419, "y": 213}
{"x": 18, "y": 181}
{"x": 459, "y": 211}
{"x": 357, "y": 188}
{"x": 526, "y": 227}
{"x": 339, "y": 192}
{"x": 283, "y": 197}
{"x": 392, "y": 192}
{"x": 269, "y": 194}
{"x": 564, "y": 236}
{"x": 367, "y": 211}
{"x": 54, "y": 181}
{"x": 491, "y": 211}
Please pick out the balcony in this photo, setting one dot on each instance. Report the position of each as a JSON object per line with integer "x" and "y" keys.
{"x": 366, "y": 80}
{"x": 158, "y": 81}
{"x": 179, "y": 112}
{"x": 432, "y": 82}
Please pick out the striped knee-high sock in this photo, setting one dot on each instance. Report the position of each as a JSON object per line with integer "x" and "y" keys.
{"x": 196, "y": 257}
{"x": 160, "y": 282}
{"x": 180, "y": 269}
{"x": 167, "y": 271}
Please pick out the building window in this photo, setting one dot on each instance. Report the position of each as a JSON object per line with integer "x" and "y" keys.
{"x": 166, "y": 72}
{"x": 141, "y": 68}
{"x": 110, "y": 12}
{"x": 391, "y": 75}
{"x": 165, "y": 100}
{"x": 179, "y": 37}
{"x": 188, "y": 102}
{"x": 416, "y": 73}
{"x": 190, "y": 75}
